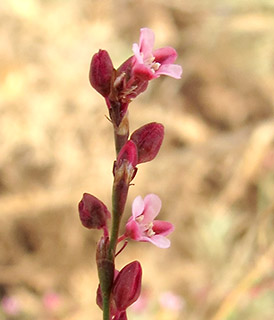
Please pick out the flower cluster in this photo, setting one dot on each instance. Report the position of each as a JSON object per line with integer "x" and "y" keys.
{"x": 117, "y": 290}
{"x": 120, "y": 86}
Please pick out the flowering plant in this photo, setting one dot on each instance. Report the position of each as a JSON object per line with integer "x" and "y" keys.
{"x": 117, "y": 290}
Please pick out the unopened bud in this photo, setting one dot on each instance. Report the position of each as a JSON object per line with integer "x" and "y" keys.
{"x": 148, "y": 140}
{"x": 124, "y": 171}
{"x": 128, "y": 154}
{"x": 101, "y": 72}
{"x": 125, "y": 166}
{"x": 93, "y": 213}
{"x": 127, "y": 286}
{"x": 120, "y": 316}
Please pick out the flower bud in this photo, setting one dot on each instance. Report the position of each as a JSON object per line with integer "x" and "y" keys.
{"x": 93, "y": 213}
{"x": 101, "y": 72}
{"x": 148, "y": 140}
{"x": 129, "y": 154}
{"x": 125, "y": 169}
{"x": 120, "y": 316}
{"x": 127, "y": 286}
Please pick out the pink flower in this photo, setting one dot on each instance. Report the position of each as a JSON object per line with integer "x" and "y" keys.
{"x": 51, "y": 301}
{"x": 171, "y": 301}
{"x": 10, "y": 305}
{"x": 141, "y": 226}
{"x": 148, "y": 63}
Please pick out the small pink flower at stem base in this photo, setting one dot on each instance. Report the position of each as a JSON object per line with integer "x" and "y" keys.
{"x": 150, "y": 64}
{"x": 141, "y": 226}
{"x": 148, "y": 140}
{"x": 93, "y": 213}
{"x": 127, "y": 286}
{"x": 10, "y": 306}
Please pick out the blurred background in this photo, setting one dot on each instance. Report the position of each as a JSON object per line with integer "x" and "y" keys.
{"x": 214, "y": 173}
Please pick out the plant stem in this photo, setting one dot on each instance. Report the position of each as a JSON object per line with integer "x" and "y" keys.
{"x": 121, "y": 134}
{"x": 119, "y": 197}
{"x": 115, "y": 227}
{"x": 106, "y": 307}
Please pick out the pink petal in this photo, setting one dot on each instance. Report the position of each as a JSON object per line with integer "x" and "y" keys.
{"x": 163, "y": 228}
{"x": 133, "y": 230}
{"x": 166, "y": 55}
{"x": 143, "y": 72}
{"x": 157, "y": 240}
{"x": 137, "y": 53}
{"x": 172, "y": 70}
{"x": 152, "y": 208}
{"x": 138, "y": 207}
{"x": 146, "y": 42}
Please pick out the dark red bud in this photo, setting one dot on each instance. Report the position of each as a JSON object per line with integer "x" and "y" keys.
{"x": 120, "y": 316}
{"x": 101, "y": 72}
{"x": 128, "y": 153}
{"x": 93, "y": 213}
{"x": 148, "y": 140}
{"x": 127, "y": 286}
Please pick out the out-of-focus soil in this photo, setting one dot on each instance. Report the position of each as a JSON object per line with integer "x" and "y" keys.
{"x": 214, "y": 173}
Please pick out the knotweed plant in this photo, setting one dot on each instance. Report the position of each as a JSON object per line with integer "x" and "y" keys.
{"x": 117, "y": 290}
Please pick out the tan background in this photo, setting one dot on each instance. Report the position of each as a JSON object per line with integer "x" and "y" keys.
{"x": 214, "y": 172}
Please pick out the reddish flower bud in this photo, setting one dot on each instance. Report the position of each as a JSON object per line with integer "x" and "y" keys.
{"x": 125, "y": 166}
{"x": 127, "y": 286}
{"x": 120, "y": 316}
{"x": 148, "y": 140}
{"x": 101, "y": 72}
{"x": 93, "y": 213}
{"x": 128, "y": 153}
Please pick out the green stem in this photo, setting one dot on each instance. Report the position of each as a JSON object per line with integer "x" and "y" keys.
{"x": 115, "y": 223}
{"x": 106, "y": 308}
{"x": 119, "y": 197}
